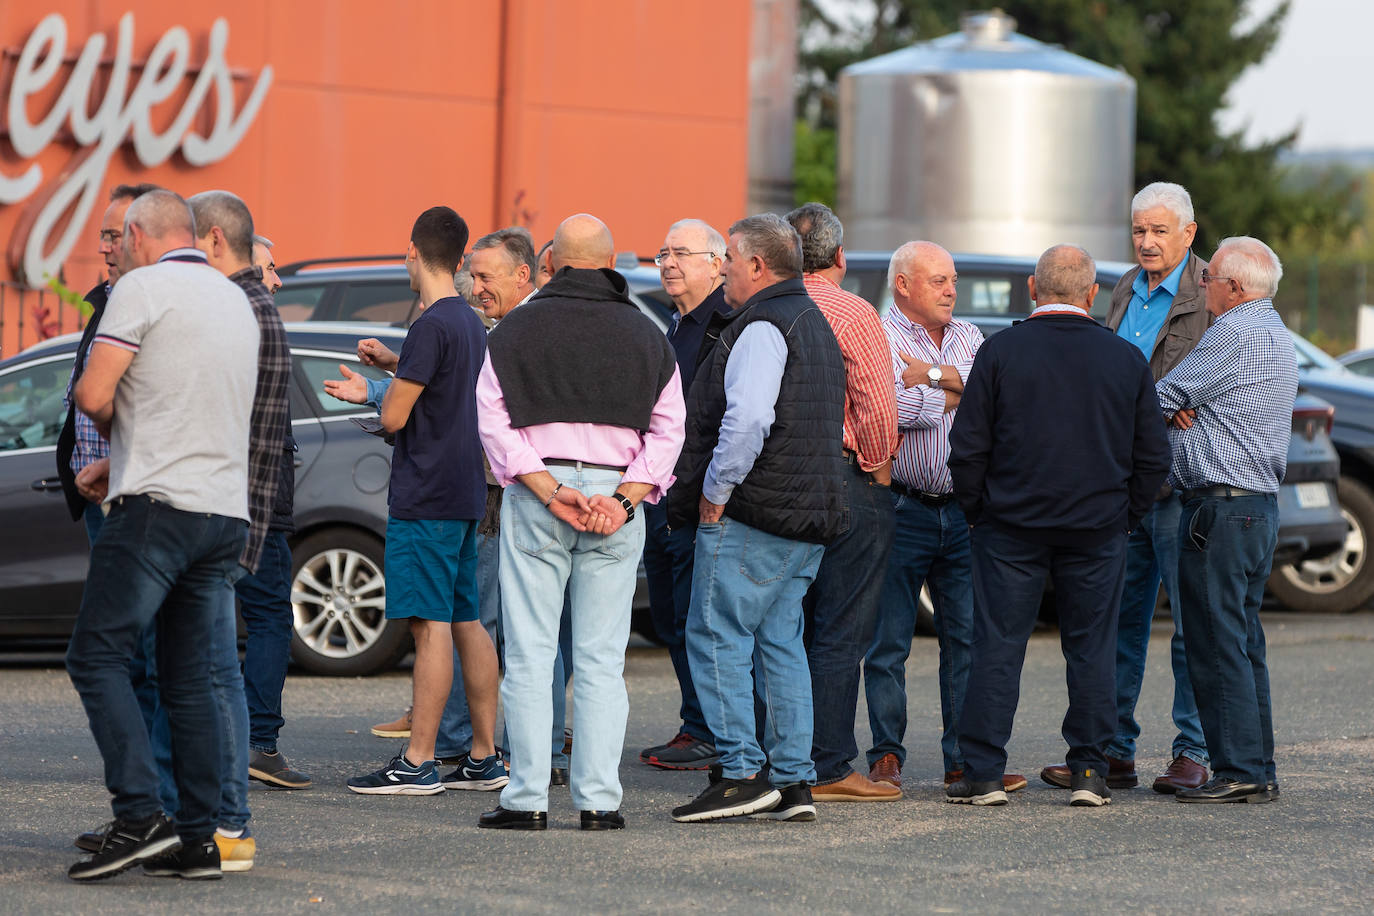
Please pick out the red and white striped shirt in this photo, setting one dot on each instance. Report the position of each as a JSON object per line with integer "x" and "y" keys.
{"x": 870, "y": 408}
{"x": 922, "y": 461}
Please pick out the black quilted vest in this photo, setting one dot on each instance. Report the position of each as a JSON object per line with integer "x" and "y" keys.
{"x": 796, "y": 489}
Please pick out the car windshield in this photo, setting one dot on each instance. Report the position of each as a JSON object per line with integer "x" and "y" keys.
{"x": 1311, "y": 356}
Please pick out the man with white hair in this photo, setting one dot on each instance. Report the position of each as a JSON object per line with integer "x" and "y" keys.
{"x": 1158, "y": 307}
{"x": 1230, "y": 405}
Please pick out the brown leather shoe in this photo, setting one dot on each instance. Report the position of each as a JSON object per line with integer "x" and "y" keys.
{"x": 1010, "y": 781}
{"x": 856, "y": 787}
{"x": 1120, "y": 774}
{"x": 1183, "y": 773}
{"x": 398, "y": 729}
{"x": 887, "y": 770}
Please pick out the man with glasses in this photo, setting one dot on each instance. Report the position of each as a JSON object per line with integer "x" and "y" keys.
{"x": 1158, "y": 307}
{"x": 689, "y": 263}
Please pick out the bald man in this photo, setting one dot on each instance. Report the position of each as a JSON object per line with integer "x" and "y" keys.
{"x": 170, "y": 382}
{"x": 581, "y": 414}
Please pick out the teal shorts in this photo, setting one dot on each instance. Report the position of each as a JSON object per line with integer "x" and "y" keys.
{"x": 431, "y": 569}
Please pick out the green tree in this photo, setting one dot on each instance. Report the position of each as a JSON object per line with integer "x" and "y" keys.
{"x": 1184, "y": 56}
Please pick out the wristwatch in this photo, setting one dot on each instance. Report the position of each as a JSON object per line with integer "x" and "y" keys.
{"x": 629, "y": 506}
{"x": 935, "y": 373}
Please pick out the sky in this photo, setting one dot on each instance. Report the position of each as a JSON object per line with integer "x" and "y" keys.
{"x": 1316, "y": 77}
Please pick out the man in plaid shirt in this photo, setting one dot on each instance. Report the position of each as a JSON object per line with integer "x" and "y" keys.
{"x": 841, "y": 608}
{"x": 1230, "y": 406}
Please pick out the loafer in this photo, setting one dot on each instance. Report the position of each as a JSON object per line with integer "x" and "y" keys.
{"x": 274, "y": 770}
{"x": 856, "y": 787}
{"x": 1182, "y": 773}
{"x": 1220, "y": 790}
{"x": 397, "y": 729}
{"x": 1011, "y": 782}
{"x": 888, "y": 769}
{"x": 504, "y": 819}
{"x": 558, "y": 776}
{"x": 1120, "y": 775}
{"x": 602, "y": 820}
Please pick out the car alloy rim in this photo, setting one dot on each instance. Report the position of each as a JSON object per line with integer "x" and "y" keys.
{"x": 1336, "y": 570}
{"x": 338, "y": 601}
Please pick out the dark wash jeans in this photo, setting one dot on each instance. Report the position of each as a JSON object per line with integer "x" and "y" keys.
{"x": 265, "y": 603}
{"x": 1009, "y": 577}
{"x": 841, "y": 611}
{"x": 1226, "y": 546}
{"x": 668, "y": 557}
{"x": 150, "y": 563}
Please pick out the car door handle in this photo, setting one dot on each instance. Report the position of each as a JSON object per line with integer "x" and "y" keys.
{"x": 47, "y": 483}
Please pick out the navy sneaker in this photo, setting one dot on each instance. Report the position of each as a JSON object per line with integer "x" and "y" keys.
{"x": 478, "y": 775}
{"x": 399, "y": 777}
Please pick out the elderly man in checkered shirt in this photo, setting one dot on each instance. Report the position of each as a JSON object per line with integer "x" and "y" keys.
{"x": 1230, "y": 407}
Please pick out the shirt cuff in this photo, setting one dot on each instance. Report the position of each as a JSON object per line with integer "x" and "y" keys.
{"x": 376, "y": 390}
{"x": 714, "y": 490}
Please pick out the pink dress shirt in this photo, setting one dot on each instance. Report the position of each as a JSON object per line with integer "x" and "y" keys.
{"x": 647, "y": 457}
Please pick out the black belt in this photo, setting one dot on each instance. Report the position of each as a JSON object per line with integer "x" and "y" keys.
{"x": 569, "y": 463}
{"x": 929, "y": 499}
{"x": 1218, "y": 490}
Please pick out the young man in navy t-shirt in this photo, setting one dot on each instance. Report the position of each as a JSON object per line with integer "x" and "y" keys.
{"x": 438, "y": 495}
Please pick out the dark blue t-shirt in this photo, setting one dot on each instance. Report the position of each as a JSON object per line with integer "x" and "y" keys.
{"x": 436, "y": 471}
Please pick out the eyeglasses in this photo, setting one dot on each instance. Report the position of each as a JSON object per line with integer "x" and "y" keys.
{"x": 1208, "y": 278}
{"x": 110, "y": 236}
{"x": 663, "y": 257}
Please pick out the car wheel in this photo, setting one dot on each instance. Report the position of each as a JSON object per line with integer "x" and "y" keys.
{"x": 338, "y": 602}
{"x": 1343, "y": 580}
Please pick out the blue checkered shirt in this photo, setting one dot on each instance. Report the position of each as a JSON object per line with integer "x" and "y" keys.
{"x": 1241, "y": 379}
{"x": 90, "y": 445}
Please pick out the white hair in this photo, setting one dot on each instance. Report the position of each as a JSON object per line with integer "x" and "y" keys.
{"x": 715, "y": 242}
{"x": 1251, "y": 263}
{"x": 905, "y": 257}
{"x": 1170, "y": 196}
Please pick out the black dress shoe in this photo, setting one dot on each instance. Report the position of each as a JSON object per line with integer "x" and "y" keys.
{"x": 1221, "y": 789}
{"x": 558, "y": 776}
{"x": 1273, "y": 789}
{"x": 503, "y": 819}
{"x": 602, "y": 820}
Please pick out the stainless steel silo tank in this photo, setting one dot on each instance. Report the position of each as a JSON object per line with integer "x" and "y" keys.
{"x": 986, "y": 141}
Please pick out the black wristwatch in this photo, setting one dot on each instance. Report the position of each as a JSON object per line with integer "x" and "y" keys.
{"x": 629, "y": 506}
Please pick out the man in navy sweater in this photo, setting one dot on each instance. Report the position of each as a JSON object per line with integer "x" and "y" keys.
{"x": 1051, "y": 480}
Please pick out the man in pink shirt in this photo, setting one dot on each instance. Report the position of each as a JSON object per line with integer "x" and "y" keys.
{"x": 581, "y": 413}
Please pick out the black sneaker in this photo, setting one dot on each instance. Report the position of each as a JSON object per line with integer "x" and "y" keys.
{"x": 126, "y": 844}
{"x": 729, "y": 798}
{"x": 90, "y": 840}
{"x": 682, "y": 753}
{"x": 1088, "y": 789}
{"x": 965, "y": 792}
{"x": 274, "y": 770}
{"x": 196, "y": 861}
{"x": 794, "y": 806}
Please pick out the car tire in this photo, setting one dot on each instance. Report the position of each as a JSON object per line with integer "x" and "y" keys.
{"x": 338, "y": 605}
{"x": 1343, "y": 580}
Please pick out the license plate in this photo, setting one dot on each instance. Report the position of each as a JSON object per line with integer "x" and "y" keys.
{"x": 1313, "y": 495}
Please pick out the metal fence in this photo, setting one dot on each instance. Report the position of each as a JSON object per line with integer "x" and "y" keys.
{"x": 29, "y": 315}
{"x": 1320, "y": 298}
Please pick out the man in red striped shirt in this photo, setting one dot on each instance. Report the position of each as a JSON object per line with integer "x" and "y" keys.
{"x": 842, "y": 605}
{"x": 932, "y": 353}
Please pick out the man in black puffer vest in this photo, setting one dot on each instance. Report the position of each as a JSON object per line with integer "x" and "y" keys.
{"x": 761, "y": 475}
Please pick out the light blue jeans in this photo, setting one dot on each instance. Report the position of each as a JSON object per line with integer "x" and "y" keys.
{"x": 541, "y": 557}
{"x": 747, "y": 590}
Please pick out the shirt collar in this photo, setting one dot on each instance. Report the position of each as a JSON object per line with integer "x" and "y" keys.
{"x": 185, "y": 254}
{"x": 1140, "y": 286}
{"x": 1254, "y": 305}
{"x": 1060, "y": 308}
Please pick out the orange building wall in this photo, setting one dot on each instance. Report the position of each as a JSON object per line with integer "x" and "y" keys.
{"x": 635, "y": 110}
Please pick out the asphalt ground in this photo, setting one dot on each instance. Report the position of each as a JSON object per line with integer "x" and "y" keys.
{"x": 329, "y": 850}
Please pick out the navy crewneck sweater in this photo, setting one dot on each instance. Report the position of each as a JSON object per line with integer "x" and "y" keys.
{"x": 1059, "y": 436}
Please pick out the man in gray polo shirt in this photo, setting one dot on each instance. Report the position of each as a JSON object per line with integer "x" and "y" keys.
{"x": 169, "y": 381}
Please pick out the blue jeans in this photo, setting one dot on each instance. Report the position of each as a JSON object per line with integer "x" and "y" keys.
{"x": 226, "y": 679}
{"x": 841, "y": 613}
{"x": 1226, "y": 549}
{"x": 668, "y": 558}
{"x": 455, "y": 726}
{"x": 155, "y": 563}
{"x": 929, "y": 546}
{"x": 92, "y": 518}
{"x": 542, "y": 558}
{"x": 1152, "y": 553}
{"x": 265, "y": 602}
{"x": 1009, "y": 577}
{"x": 747, "y": 590}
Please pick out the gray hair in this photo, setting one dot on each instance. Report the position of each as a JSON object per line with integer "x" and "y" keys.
{"x": 771, "y": 238}
{"x": 230, "y": 213}
{"x": 1064, "y": 273}
{"x": 903, "y": 259}
{"x": 1251, "y": 263}
{"x": 517, "y": 242}
{"x": 715, "y": 242}
{"x": 821, "y": 233}
{"x": 1166, "y": 194}
{"x": 462, "y": 279}
{"x": 262, "y": 240}
{"x": 160, "y": 214}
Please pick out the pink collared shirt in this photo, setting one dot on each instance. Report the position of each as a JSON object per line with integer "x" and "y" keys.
{"x": 648, "y": 457}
